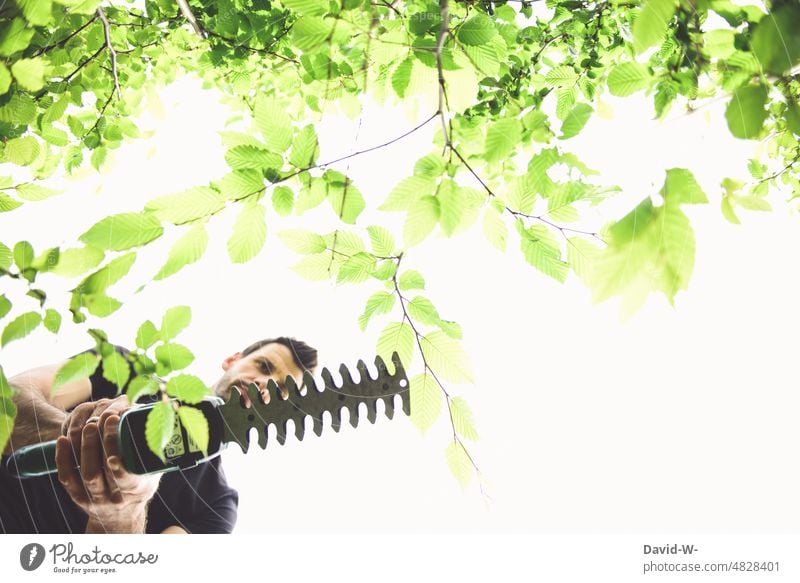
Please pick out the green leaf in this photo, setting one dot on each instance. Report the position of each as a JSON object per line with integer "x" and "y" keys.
{"x": 23, "y": 255}
{"x": 396, "y": 337}
{"x": 302, "y": 241}
{"x": 188, "y": 388}
{"x": 495, "y": 229}
{"x": 34, "y": 192}
{"x": 385, "y": 270}
{"x": 15, "y": 36}
{"x": 186, "y": 206}
{"x": 462, "y": 418}
{"x": 141, "y": 386}
{"x": 305, "y": 148}
{"x": 148, "y": 335}
{"x": 502, "y": 138}
{"x": 196, "y": 425}
{"x": 422, "y": 310}
{"x": 411, "y": 279}
{"x": 116, "y": 369}
{"x": 652, "y": 23}
{"x": 446, "y": 357}
{"x": 426, "y": 401}
{"x": 421, "y": 220}
{"x": 307, "y": 7}
{"x": 793, "y": 118}
{"x": 459, "y": 463}
{"x": 79, "y": 367}
{"x": 249, "y": 234}
{"x": 478, "y": 30}
{"x": 575, "y": 121}
{"x": 628, "y": 78}
{"x": 356, "y": 269}
{"x": 252, "y": 158}
{"x": 29, "y": 73}
{"x": 108, "y": 275}
{"x": 381, "y": 240}
{"x": 776, "y": 39}
{"x": 174, "y": 322}
{"x": 346, "y": 200}
{"x": 283, "y": 200}
{"x": 123, "y": 231}
{"x": 241, "y": 184}
{"x": 7, "y": 203}
{"x": 186, "y": 250}
{"x": 272, "y": 121}
{"x": 5, "y": 306}
{"x": 430, "y": 166}
{"x": 681, "y": 187}
{"x": 378, "y": 303}
{"x": 541, "y": 250}
{"x": 309, "y": 32}
{"x": 316, "y": 267}
{"x": 22, "y": 151}
{"x": 171, "y": 357}
{"x": 159, "y": 427}
{"x": 401, "y": 78}
{"x": 101, "y": 305}
{"x": 408, "y": 191}
{"x": 746, "y": 113}
{"x": 52, "y": 320}
{"x": 20, "y": 327}
{"x": 6, "y": 257}
{"x": 77, "y": 261}
{"x": 5, "y": 79}
{"x": 561, "y": 76}
{"x": 37, "y": 12}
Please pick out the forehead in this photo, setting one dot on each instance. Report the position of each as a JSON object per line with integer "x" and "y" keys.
{"x": 279, "y": 355}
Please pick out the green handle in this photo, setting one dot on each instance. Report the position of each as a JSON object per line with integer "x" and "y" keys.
{"x": 33, "y": 460}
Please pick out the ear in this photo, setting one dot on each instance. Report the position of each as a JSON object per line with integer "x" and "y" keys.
{"x": 226, "y": 364}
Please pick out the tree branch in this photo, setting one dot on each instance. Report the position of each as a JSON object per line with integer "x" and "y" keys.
{"x": 187, "y": 14}
{"x": 107, "y": 32}
{"x": 65, "y": 40}
{"x": 444, "y": 12}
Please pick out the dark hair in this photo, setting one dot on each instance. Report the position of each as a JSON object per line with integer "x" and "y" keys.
{"x": 304, "y": 355}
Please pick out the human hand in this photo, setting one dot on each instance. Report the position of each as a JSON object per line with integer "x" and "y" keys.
{"x": 114, "y": 499}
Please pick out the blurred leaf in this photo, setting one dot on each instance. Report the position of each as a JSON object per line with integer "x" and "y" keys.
{"x": 249, "y": 234}
{"x": 196, "y": 426}
{"x": 426, "y": 401}
{"x": 175, "y": 320}
{"x": 188, "y": 388}
{"x": 20, "y": 327}
{"x": 158, "y": 428}
{"x": 116, "y": 369}
{"x": 123, "y": 231}
{"x": 462, "y": 418}
{"x": 79, "y": 367}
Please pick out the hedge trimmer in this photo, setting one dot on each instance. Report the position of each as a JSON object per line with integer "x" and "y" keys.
{"x": 231, "y": 421}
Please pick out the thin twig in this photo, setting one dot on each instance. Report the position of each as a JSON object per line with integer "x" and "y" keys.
{"x": 107, "y": 31}
{"x": 82, "y": 65}
{"x": 444, "y": 12}
{"x": 187, "y": 14}
{"x": 252, "y": 49}
{"x": 65, "y": 40}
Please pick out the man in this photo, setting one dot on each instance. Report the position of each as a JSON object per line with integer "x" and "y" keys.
{"x": 100, "y": 496}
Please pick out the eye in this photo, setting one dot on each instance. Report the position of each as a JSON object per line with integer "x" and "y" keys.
{"x": 265, "y": 366}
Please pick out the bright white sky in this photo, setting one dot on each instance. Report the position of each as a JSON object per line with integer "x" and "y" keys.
{"x": 680, "y": 418}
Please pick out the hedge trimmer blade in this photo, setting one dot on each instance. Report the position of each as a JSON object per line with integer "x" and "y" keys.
{"x": 278, "y": 411}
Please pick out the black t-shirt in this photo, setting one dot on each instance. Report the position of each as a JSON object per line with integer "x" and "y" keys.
{"x": 198, "y": 500}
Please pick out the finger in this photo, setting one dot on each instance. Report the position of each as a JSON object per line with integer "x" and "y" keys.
{"x": 117, "y": 408}
{"x": 68, "y": 472}
{"x": 91, "y": 462}
{"x": 112, "y": 464}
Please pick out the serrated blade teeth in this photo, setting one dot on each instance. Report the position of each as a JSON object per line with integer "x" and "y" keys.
{"x": 292, "y": 388}
{"x": 315, "y": 402}
{"x": 300, "y": 429}
{"x": 310, "y": 383}
{"x": 328, "y": 378}
{"x": 347, "y": 378}
{"x": 363, "y": 371}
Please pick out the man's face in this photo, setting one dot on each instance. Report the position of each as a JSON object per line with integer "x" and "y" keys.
{"x": 271, "y": 361}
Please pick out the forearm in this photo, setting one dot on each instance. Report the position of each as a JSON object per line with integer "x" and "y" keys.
{"x": 37, "y": 420}
{"x": 126, "y": 521}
